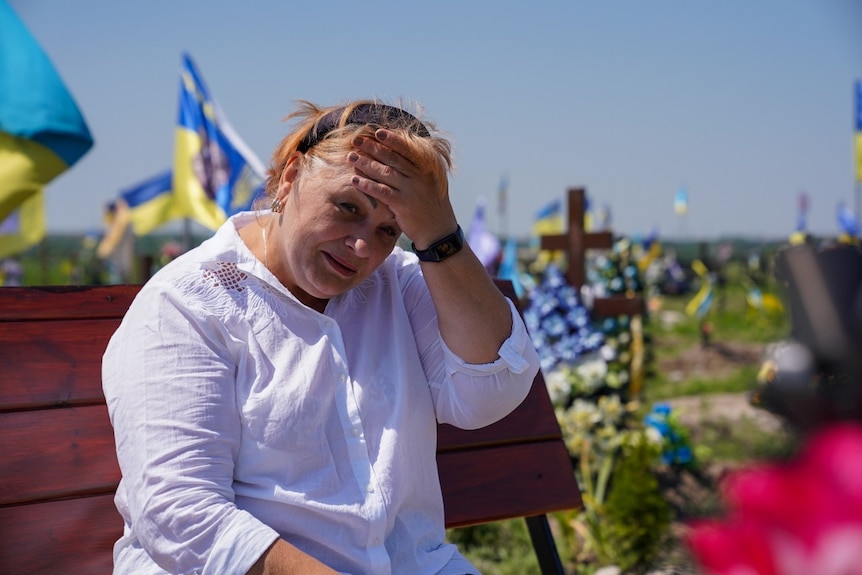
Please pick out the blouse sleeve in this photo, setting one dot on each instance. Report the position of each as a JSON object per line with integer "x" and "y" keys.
{"x": 467, "y": 395}
{"x": 476, "y": 395}
{"x": 169, "y": 382}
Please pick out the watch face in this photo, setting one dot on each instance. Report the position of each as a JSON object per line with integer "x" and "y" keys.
{"x": 447, "y": 249}
{"x": 448, "y": 246}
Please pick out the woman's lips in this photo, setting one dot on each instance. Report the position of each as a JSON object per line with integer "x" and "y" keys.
{"x": 340, "y": 265}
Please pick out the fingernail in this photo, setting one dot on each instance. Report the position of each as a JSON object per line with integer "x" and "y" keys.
{"x": 381, "y": 135}
{"x": 354, "y": 180}
{"x": 357, "y": 141}
{"x": 352, "y": 157}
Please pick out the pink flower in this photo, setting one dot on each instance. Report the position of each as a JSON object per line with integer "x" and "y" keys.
{"x": 803, "y": 517}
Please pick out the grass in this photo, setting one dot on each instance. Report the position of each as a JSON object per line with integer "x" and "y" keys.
{"x": 731, "y": 321}
{"x": 501, "y": 548}
{"x": 740, "y": 380}
{"x": 743, "y": 440}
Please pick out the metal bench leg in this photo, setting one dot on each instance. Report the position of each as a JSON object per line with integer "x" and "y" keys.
{"x": 544, "y": 545}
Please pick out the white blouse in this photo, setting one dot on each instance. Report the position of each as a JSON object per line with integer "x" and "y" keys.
{"x": 241, "y": 415}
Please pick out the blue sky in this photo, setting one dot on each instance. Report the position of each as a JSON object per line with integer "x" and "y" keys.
{"x": 745, "y": 103}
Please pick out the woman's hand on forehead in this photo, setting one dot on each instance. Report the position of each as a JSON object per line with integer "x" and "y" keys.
{"x": 419, "y": 200}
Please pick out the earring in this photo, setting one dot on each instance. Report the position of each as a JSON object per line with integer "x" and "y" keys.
{"x": 277, "y": 206}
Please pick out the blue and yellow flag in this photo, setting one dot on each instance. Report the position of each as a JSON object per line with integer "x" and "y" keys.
{"x": 549, "y": 219}
{"x": 701, "y": 302}
{"x": 151, "y": 203}
{"x": 680, "y": 202}
{"x": 848, "y": 224}
{"x": 215, "y": 174}
{"x": 859, "y": 131}
{"x": 42, "y": 133}
{"x": 144, "y": 206}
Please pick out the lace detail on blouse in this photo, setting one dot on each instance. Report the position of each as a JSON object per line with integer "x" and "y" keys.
{"x": 223, "y": 289}
{"x": 226, "y": 274}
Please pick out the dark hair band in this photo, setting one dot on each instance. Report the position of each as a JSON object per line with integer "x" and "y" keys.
{"x": 381, "y": 115}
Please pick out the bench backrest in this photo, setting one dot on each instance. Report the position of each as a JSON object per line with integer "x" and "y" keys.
{"x": 59, "y": 469}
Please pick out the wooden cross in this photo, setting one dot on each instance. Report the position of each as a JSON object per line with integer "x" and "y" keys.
{"x": 575, "y": 242}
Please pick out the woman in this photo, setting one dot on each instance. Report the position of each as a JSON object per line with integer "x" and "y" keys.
{"x": 275, "y": 392}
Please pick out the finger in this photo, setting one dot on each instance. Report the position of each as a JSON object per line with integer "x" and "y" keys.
{"x": 376, "y": 170}
{"x": 381, "y": 192}
{"x": 391, "y": 149}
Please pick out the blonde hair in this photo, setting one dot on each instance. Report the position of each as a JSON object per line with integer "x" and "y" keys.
{"x": 327, "y": 133}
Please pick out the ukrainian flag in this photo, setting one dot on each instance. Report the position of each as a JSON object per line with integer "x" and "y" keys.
{"x": 145, "y": 206}
{"x": 680, "y": 202}
{"x": 549, "y": 219}
{"x": 215, "y": 174}
{"x": 859, "y": 131}
{"x": 42, "y": 133}
{"x": 151, "y": 203}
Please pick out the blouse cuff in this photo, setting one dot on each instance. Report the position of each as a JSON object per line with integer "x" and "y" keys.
{"x": 240, "y": 546}
{"x": 512, "y": 354}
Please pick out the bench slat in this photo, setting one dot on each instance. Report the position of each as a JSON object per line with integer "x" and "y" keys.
{"x": 533, "y": 420}
{"x": 71, "y": 536}
{"x": 56, "y": 453}
{"x": 505, "y": 482}
{"x": 48, "y": 363}
{"x": 65, "y": 302}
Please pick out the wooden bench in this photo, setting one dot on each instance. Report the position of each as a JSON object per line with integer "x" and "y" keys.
{"x": 59, "y": 470}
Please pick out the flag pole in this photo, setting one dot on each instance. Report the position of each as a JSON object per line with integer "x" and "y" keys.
{"x": 857, "y": 88}
{"x": 858, "y": 199}
{"x": 43, "y": 261}
{"x": 502, "y": 206}
{"x": 187, "y": 234}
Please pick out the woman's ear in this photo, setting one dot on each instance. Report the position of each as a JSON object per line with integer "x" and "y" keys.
{"x": 289, "y": 174}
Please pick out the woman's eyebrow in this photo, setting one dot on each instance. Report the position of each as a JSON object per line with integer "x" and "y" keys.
{"x": 349, "y": 189}
{"x": 370, "y": 199}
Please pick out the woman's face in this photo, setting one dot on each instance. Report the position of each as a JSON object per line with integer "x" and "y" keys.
{"x": 332, "y": 236}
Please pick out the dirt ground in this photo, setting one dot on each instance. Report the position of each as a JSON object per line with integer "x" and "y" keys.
{"x": 723, "y": 407}
{"x": 714, "y": 361}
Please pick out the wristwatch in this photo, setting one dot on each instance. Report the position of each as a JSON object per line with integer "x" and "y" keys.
{"x": 439, "y": 251}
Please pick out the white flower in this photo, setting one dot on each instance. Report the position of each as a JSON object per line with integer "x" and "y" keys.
{"x": 557, "y": 382}
{"x": 611, "y": 407}
{"x": 584, "y": 414}
{"x": 608, "y": 352}
{"x": 654, "y": 436}
{"x": 592, "y": 370}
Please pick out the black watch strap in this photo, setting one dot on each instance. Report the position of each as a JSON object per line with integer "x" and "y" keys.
{"x": 439, "y": 251}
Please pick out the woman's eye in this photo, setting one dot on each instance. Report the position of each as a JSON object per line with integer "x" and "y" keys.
{"x": 349, "y": 208}
{"x": 391, "y": 232}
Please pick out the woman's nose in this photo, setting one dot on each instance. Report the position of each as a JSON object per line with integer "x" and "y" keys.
{"x": 360, "y": 245}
